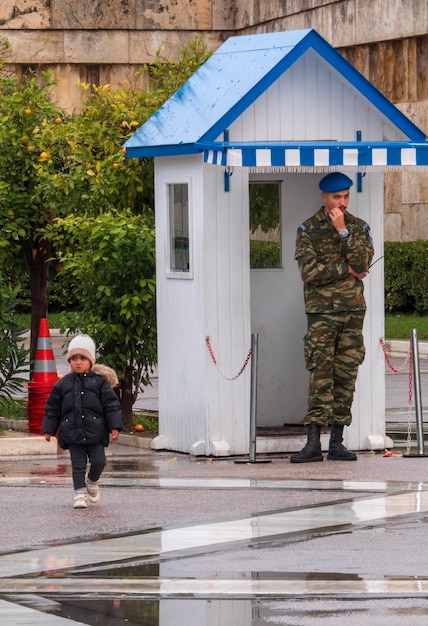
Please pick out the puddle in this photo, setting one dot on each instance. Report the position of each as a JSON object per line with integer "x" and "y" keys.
{"x": 115, "y": 612}
{"x": 194, "y": 612}
{"x": 135, "y": 570}
{"x": 153, "y": 570}
{"x": 131, "y": 612}
{"x": 121, "y": 466}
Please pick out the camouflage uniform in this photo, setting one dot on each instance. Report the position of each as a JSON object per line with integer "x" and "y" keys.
{"x": 335, "y": 308}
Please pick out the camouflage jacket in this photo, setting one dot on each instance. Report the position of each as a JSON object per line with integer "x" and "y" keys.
{"x": 323, "y": 258}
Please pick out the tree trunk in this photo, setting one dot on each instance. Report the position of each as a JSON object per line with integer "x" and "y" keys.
{"x": 127, "y": 400}
{"x": 39, "y": 289}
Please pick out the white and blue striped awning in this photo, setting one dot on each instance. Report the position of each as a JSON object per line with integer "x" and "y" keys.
{"x": 324, "y": 156}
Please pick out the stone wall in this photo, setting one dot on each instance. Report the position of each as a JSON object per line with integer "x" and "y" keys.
{"x": 107, "y": 41}
{"x": 398, "y": 69}
{"x": 341, "y": 22}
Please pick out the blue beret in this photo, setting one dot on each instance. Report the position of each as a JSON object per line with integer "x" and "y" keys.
{"x": 336, "y": 181}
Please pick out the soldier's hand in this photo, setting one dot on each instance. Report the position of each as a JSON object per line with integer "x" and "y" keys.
{"x": 337, "y": 217}
{"x": 357, "y": 275}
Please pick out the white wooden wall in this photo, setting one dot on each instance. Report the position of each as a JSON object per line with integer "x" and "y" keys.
{"x": 311, "y": 102}
{"x": 201, "y": 411}
{"x": 180, "y": 317}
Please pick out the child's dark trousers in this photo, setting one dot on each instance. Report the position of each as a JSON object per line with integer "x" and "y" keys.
{"x": 80, "y": 455}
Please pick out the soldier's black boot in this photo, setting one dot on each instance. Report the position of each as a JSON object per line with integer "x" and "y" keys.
{"x": 312, "y": 450}
{"x": 336, "y": 450}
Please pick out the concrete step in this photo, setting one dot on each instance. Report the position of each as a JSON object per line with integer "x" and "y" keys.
{"x": 14, "y": 444}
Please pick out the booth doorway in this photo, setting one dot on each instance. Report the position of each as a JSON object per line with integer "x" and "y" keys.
{"x": 277, "y": 306}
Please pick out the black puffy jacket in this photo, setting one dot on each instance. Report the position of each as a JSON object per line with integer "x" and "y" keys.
{"x": 85, "y": 409}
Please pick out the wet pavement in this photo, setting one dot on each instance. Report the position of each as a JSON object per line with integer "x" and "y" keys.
{"x": 177, "y": 540}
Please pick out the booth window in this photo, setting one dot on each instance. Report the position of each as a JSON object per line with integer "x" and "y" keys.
{"x": 265, "y": 225}
{"x": 178, "y": 204}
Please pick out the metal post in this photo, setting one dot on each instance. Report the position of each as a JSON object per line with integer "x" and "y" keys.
{"x": 253, "y": 403}
{"x": 418, "y": 400}
{"x": 417, "y": 385}
{"x": 253, "y": 396}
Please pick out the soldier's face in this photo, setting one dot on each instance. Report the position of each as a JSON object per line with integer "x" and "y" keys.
{"x": 336, "y": 200}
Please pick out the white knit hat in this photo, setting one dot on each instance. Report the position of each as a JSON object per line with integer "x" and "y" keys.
{"x": 83, "y": 345}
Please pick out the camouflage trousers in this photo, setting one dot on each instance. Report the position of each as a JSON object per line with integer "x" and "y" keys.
{"x": 334, "y": 348}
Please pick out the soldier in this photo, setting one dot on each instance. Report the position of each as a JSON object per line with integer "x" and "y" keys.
{"x": 333, "y": 250}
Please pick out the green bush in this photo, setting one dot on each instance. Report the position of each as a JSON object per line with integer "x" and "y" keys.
{"x": 62, "y": 287}
{"x": 63, "y": 290}
{"x": 406, "y": 277}
{"x": 13, "y": 409}
{"x": 14, "y": 357}
{"x": 264, "y": 254}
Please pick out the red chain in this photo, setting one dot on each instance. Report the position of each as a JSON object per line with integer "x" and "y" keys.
{"x": 387, "y": 359}
{"x": 210, "y": 350}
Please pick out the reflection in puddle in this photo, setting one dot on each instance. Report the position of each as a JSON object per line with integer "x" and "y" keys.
{"x": 114, "y": 612}
{"x": 147, "y": 612}
{"x": 130, "y": 465}
{"x": 241, "y": 612}
{"x": 134, "y": 570}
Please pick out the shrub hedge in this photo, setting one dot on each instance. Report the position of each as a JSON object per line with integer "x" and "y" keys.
{"x": 264, "y": 254}
{"x": 406, "y": 277}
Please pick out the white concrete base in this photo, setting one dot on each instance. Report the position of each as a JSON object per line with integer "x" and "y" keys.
{"x": 377, "y": 442}
{"x": 219, "y": 448}
{"x": 24, "y": 445}
{"x": 135, "y": 441}
{"x": 389, "y": 443}
{"x": 213, "y": 448}
{"x": 268, "y": 445}
{"x": 160, "y": 443}
{"x": 199, "y": 448}
{"x": 271, "y": 445}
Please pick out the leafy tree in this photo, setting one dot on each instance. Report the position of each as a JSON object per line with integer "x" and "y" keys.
{"x": 14, "y": 361}
{"x": 54, "y": 165}
{"x": 166, "y": 76}
{"x": 90, "y": 173}
{"x": 112, "y": 260}
{"x": 264, "y": 203}
{"x": 27, "y": 136}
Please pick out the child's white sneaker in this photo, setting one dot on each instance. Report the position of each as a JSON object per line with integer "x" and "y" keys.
{"x": 92, "y": 491}
{"x": 80, "y": 501}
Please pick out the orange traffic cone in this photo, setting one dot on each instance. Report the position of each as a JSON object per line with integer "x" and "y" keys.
{"x": 45, "y": 366}
{"x": 44, "y": 377}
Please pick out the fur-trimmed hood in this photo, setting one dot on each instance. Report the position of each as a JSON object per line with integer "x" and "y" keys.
{"x": 106, "y": 372}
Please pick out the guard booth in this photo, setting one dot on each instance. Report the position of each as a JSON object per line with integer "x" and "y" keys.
{"x": 265, "y": 117}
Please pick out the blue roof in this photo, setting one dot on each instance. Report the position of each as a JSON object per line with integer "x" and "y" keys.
{"x": 221, "y": 90}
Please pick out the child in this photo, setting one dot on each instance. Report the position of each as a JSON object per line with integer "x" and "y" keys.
{"x": 83, "y": 409}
